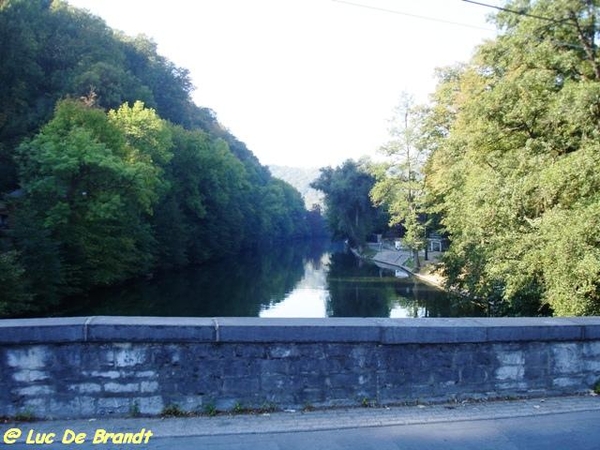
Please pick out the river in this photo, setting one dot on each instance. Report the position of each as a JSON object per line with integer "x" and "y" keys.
{"x": 299, "y": 279}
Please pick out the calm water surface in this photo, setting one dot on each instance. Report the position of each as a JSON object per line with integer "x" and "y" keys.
{"x": 305, "y": 279}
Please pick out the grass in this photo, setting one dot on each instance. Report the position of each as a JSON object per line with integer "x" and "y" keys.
{"x": 173, "y": 410}
{"x": 25, "y": 416}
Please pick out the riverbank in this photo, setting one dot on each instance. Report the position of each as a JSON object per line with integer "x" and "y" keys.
{"x": 388, "y": 257}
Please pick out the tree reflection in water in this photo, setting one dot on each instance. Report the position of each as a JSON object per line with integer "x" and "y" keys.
{"x": 299, "y": 279}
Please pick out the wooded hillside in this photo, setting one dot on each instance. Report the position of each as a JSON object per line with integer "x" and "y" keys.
{"x": 108, "y": 170}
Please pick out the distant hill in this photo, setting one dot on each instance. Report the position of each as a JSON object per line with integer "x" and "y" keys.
{"x": 300, "y": 178}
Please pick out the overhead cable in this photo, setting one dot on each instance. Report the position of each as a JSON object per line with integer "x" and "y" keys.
{"x": 514, "y": 11}
{"x": 416, "y": 16}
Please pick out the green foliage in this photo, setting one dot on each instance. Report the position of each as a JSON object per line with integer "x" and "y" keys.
{"x": 348, "y": 209}
{"x": 514, "y": 167}
{"x": 14, "y": 296}
{"x": 26, "y": 415}
{"x": 89, "y": 191}
{"x": 173, "y": 410}
{"x": 131, "y": 177}
{"x": 210, "y": 409}
{"x": 238, "y": 408}
{"x": 112, "y": 196}
{"x": 134, "y": 410}
{"x": 400, "y": 185}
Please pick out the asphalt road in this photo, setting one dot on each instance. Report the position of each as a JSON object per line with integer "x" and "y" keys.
{"x": 579, "y": 431}
{"x": 553, "y": 423}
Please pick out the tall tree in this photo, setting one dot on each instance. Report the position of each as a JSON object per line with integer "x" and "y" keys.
{"x": 400, "y": 185}
{"x": 348, "y": 209}
{"x": 90, "y": 191}
{"x": 516, "y": 173}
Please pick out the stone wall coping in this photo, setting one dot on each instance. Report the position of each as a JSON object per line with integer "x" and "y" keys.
{"x": 105, "y": 329}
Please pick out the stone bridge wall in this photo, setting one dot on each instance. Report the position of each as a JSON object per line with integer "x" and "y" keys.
{"x": 120, "y": 366}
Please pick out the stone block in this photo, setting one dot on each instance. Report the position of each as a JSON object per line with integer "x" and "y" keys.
{"x": 149, "y": 387}
{"x": 508, "y": 357}
{"x": 462, "y": 357}
{"x": 309, "y": 381}
{"x": 150, "y": 329}
{"x": 127, "y": 355}
{"x": 150, "y": 405}
{"x": 476, "y": 375}
{"x": 567, "y": 358}
{"x": 283, "y": 351}
{"x": 86, "y": 388}
{"x": 192, "y": 403}
{"x": 146, "y": 374}
{"x": 86, "y": 406}
{"x": 256, "y": 330}
{"x": 275, "y": 366}
{"x": 73, "y": 407}
{"x": 536, "y": 372}
{"x": 120, "y": 406}
{"x": 251, "y": 351}
{"x": 391, "y": 379}
{"x": 240, "y": 385}
{"x": 484, "y": 357}
{"x": 311, "y": 396}
{"x": 28, "y": 358}
{"x": 118, "y": 388}
{"x": 110, "y": 374}
{"x": 433, "y": 331}
{"x": 36, "y": 404}
{"x": 46, "y": 331}
{"x": 36, "y": 390}
{"x": 591, "y": 349}
{"x": 244, "y": 368}
{"x": 518, "y": 329}
{"x": 504, "y": 373}
{"x": 272, "y": 383}
{"x": 28, "y": 376}
{"x": 343, "y": 380}
{"x": 226, "y": 404}
{"x": 563, "y": 382}
{"x": 513, "y": 387}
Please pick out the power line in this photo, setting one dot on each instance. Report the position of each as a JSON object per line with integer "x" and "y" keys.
{"x": 415, "y": 16}
{"x": 534, "y": 16}
{"x": 514, "y": 11}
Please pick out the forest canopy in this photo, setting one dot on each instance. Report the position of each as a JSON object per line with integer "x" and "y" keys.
{"x": 108, "y": 170}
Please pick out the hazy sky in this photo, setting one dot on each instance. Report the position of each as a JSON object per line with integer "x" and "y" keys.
{"x": 305, "y": 82}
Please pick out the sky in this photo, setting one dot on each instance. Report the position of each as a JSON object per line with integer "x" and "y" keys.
{"x": 305, "y": 83}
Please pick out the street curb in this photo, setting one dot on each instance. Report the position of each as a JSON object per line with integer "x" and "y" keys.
{"x": 332, "y": 419}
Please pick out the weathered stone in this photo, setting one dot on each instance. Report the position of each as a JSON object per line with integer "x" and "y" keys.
{"x": 113, "y": 406}
{"x": 28, "y": 376}
{"x": 509, "y": 373}
{"x": 116, "y": 388}
{"x": 567, "y": 358}
{"x": 288, "y": 363}
{"x": 86, "y": 388}
{"x": 36, "y": 390}
{"x": 149, "y": 405}
{"x": 149, "y": 386}
{"x": 125, "y": 355}
{"x": 28, "y": 358}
